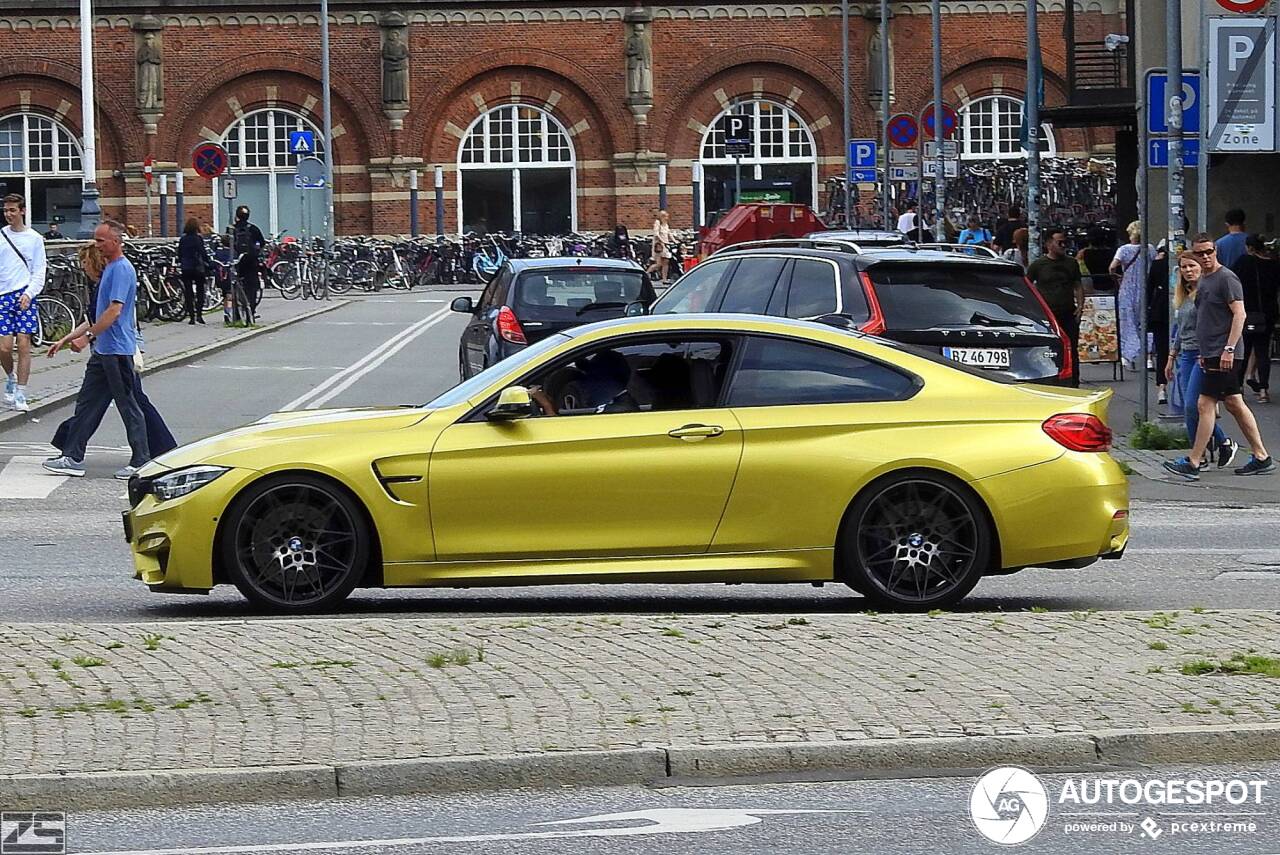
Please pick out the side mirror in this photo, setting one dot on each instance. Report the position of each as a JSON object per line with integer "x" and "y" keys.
{"x": 636, "y": 309}
{"x": 513, "y": 403}
{"x": 462, "y": 304}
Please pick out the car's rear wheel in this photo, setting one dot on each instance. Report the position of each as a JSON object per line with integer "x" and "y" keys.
{"x": 295, "y": 544}
{"x": 913, "y": 542}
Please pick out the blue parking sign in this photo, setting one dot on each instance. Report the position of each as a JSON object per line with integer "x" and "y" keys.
{"x": 302, "y": 142}
{"x": 1157, "y": 96}
{"x": 862, "y": 154}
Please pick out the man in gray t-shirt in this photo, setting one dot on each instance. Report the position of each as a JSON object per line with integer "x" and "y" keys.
{"x": 1219, "y": 326}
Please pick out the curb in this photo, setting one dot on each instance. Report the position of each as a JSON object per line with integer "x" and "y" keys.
{"x": 900, "y": 757}
{"x": 173, "y": 360}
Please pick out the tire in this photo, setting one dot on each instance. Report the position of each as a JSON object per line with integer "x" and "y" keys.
{"x": 914, "y": 541}
{"x": 54, "y": 320}
{"x": 287, "y": 279}
{"x": 282, "y": 527}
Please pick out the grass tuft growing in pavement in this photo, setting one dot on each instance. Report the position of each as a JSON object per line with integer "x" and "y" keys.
{"x": 1246, "y": 664}
{"x": 1151, "y": 436}
{"x": 88, "y": 661}
{"x": 1157, "y": 645}
{"x": 151, "y": 641}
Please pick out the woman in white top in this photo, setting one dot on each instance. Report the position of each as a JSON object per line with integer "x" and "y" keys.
{"x": 662, "y": 239}
{"x": 1126, "y": 267}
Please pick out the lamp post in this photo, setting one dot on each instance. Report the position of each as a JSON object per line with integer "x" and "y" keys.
{"x": 439, "y": 177}
{"x": 940, "y": 179}
{"x": 847, "y": 131}
{"x": 328, "y": 140}
{"x": 1033, "y": 131}
{"x": 413, "y": 203}
{"x": 90, "y": 213}
{"x": 885, "y": 72}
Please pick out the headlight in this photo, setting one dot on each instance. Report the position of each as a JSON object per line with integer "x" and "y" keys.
{"x": 184, "y": 481}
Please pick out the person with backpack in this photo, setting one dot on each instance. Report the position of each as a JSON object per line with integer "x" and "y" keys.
{"x": 246, "y": 245}
{"x": 975, "y": 234}
{"x": 193, "y": 258}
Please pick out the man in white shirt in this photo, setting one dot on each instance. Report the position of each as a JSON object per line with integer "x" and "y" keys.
{"x": 907, "y": 222}
{"x": 22, "y": 270}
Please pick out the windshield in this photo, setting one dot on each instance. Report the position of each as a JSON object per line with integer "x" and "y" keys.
{"x": 468, "y": 389}
{"x": 916, "y": 297}
{"x": 575, "y": 294}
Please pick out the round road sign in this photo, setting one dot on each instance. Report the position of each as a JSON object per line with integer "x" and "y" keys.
{"x": 949, "y": 121}
{"x": 209, "y": 159}
{"x": 1242, "y": 5}
{"x": 903, "y": 131}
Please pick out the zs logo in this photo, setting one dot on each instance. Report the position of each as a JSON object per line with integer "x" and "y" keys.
{"x": 25, "y": 833}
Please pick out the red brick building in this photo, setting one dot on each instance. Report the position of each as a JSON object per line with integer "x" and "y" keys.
{"x": 542, "y": 115}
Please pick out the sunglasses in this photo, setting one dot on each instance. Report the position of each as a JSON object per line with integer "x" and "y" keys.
{"x": 1209, "y": 251}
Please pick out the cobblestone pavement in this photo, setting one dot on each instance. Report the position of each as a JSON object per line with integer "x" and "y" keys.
{"x": 170, "y": 695}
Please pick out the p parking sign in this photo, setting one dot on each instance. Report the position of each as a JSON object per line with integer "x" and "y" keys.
{"x": 739, "y": 134}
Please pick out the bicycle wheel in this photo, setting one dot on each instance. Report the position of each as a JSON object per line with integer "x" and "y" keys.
{"x": 54, "y": 320}
{"x": 287, "y": 279}
{"x": 340, "y": 279}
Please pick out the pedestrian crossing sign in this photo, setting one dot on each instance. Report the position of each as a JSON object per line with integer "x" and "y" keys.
{"x": 302, "y": 142}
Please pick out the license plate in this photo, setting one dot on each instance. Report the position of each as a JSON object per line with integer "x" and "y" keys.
{"x": 978, "y": 357}
{"x": 128, "y": 526}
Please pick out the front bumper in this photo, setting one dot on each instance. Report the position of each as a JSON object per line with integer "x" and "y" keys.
{"x": 173, "y": 541}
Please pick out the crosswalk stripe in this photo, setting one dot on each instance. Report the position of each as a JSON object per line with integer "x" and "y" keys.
{"x": 23, "y": 478}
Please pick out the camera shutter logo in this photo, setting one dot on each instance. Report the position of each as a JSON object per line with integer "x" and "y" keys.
{"x": 1009, "y": 805}
{"x": 33, "y": 833}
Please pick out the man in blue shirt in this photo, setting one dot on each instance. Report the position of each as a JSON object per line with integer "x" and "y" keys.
{"x": 109, "y": 375}
{"x": 1231, "y": 245}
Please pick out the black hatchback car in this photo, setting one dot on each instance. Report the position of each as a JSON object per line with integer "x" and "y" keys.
{"x": 531, "y": 298}
{"x": 977, "y": 310}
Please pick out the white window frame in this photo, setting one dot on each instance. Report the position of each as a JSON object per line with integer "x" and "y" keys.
{"x": 280, "y": 161}
{"x": 974, "y": 117}
{"x": 752, "y": 106}
{"x": 521, "y": 157}
{"x": 61, "y": 137}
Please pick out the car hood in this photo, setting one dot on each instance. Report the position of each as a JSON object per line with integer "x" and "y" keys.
{"x": 284, "y": 427}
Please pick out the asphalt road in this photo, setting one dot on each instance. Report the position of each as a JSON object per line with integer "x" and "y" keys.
{"x": 62, "y": 557}
{"x": 887, "y": 817}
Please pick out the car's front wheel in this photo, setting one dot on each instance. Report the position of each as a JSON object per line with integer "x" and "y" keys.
{"x": 295, "y": 544}
{"x": 913, "y": 542}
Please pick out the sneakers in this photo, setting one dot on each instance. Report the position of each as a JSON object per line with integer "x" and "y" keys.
{"x": 1163, "y": 397}
{"x": 19, "y": 402}
{"x": 1183, "y": 468}
{"x": 1257, "y": 467}
{"x": 64, "y": 466}
{"x": 10, "y": 389}
{"x": 125, "y": 474}
{"x": 1227, "y": 453}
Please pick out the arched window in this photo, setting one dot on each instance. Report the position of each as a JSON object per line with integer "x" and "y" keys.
{"x": 990, "y": 129}
{"x": 40, "y": 159}
{"x": 263, "y": 166}
{"x": 782, "y": 166}
{"x": 516, "y": 174}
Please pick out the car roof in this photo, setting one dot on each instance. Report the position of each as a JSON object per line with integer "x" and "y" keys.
{"x": 880, "y": 255}
{"x": 519, "y": 265}
{"x": 712, "y": 321}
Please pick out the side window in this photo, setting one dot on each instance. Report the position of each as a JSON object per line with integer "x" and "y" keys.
{"x": 752, "y": 285}
{"x": 497, "y": 289}
{"x": 654, "y": 376}
{"x": 813, "y": 289}
{"x": 696, "y": 290}
{"x": 777, "y": 371}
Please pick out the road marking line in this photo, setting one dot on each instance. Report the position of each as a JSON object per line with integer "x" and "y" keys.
{"x": 208, "y": 366}
{"x": 24, "y": 478}
{"x": 350, "y": 381}
{"x": 298, "y": 402}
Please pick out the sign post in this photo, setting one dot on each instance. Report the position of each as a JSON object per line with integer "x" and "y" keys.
{"x": 164, "y": 206}
{"x": 739, "y": 141}
{"x": 179, "y": 202}
{"x": 413, "y": 203}
{"x": 148, "y": 176}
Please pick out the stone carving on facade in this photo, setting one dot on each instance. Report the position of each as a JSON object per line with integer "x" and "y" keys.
{"x": 638, "y": 54}
{"x": 875, "y": 67}
{"x": 149, "y": 79}
{"x": 395, "y": 68}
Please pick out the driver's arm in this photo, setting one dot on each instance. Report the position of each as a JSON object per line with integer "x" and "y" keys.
{"x": 539, "y": 396}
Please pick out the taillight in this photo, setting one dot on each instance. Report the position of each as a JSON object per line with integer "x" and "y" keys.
{"x": 875, "y": 324}
{"x": 509, "y": 328}
{"x": 1078, "y": 431}
{"x": 1068, "y": 356}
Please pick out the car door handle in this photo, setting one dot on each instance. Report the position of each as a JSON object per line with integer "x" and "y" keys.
{"x": 693, "y": 433}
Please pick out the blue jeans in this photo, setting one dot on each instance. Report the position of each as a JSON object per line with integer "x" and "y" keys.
{"x": 1189, "y": 377}
{"x": 107, "y": 378}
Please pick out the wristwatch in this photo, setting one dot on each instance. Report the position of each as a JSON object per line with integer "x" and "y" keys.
{"x": 1231, "y": 348}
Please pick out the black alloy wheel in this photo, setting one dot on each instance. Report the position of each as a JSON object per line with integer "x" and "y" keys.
{"x": 295, "y": 544}
{"x": 915, "y": 542}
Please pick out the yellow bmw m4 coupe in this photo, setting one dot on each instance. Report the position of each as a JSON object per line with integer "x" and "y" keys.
{"x": 698, "y": 448}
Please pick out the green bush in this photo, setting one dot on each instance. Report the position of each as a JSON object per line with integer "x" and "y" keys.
{"x": 1151, "y": 436}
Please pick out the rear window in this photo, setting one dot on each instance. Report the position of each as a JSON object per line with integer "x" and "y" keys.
{"x": 918, "y": 297}
{"x": 575, "y": 294}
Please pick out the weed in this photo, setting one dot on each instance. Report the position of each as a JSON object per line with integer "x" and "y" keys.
{"x": 28, "y": 712}
{"x": 1214, "y": 702}
{"x": 66, "y": 639}
{"x": 1156, "y": 669}
{"x": 672, "y": 633}
{"x": 1149, "y": 435}
{"x": 1157, "y": 645}
{"x": 1198, "y": 610}
{"x": 180, "y": 705}
{"x": 784, "y": 715}
{"x": 55, "y": 664}
{"x": 1198, "y": 667}
{"x": 1125, "y": 467}
{"x": 284, "y": 664}
{"x": 715, "y": 625}
{"x": 935, "y": 612}
{"x": 611, "y": 621}
{"x": 332, "y": 663}
{"x": 870, "y": 613}
{"x": 666, "y": 709}
{"x": 824, "y": 636}
{"x": 461, "y": 656}
{"x": 633, "y": 720}
{"x": 143, "y": 705}
{"x": 683, "y": 693}
{"x": 716, "y": 674}
{"x": 797, "y": 621}
{"x": 1189, "y": 707}
{"x": 151, "y": 641}
{"x": 1160, "y": 620}
{"x": 88, "y": 661}
{"x": 114, "y": 645}
{"x": 1187, "y": 630}
{"x": 438, "y": 660}
{"x": 1038, "y": 610}
{"x": 997, "y": 705}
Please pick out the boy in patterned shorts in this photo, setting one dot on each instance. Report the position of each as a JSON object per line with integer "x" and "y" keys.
{"x": 22, "y": 270}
